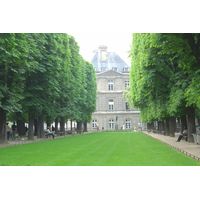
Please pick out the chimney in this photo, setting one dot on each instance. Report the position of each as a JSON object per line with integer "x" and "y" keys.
{"x": 103, "y": 56}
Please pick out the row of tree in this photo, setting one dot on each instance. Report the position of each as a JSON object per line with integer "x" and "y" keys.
{"x": 43, "y": 78}
{"x": 165, "y": 77}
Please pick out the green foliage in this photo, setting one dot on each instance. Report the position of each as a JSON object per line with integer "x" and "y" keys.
{"x": 13, "y": 64}
{"x": 164, "y": 74}
{"x": 90, "y": 92}
{"x": 44, "y": 74}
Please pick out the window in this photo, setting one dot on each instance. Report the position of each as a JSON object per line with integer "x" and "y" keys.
{"x": 127, "y": 106}
{"x": 103, "y": 69}
{"x": 126, "y": 84}
{"x": 111, "y": 104}
{"x": 110, "y": 85}
{"x": 125, "y": 69}
{"x": 94, "y": 123}
{"x": 128, "y": 123}
{"x": 114, "y": 69}
{"x": 111, "y": 124}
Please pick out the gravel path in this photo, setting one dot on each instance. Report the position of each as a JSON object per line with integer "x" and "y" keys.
{"x": 190, "y": 149}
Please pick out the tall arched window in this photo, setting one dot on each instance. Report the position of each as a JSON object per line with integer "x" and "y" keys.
{"x": 111, "y": 104}
{"x": 128, "y": 123}
{"x": 126, "y": 84}
{"x": 110, "y": 85}
{"x": 94, "y": 123}
{"x": 111, "y": 124}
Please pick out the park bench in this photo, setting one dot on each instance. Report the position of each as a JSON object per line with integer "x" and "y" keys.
{"x": 61, "y": 133}
{"x": 20, "y": 139}
{"x": 163, "y": 132}
{"x": 71, "y": 132}
{"x": 185, "y": 137}
{"x": 79, "y": 131}
{"x": 17, "y": 137}
{"x": 155, "y": 131}
{"x": 50, "y": 134}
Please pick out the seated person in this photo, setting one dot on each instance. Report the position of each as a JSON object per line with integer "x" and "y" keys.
{"x": 48, "y": 132}
{"x": 184, "y": 133}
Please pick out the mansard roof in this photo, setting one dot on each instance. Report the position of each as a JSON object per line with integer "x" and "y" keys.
{"x": 113, "y": 61}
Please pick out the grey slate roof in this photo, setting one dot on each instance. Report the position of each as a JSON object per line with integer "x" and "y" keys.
{"x": 113, "y": 61}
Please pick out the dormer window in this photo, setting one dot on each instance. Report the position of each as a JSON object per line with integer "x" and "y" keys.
{"x": 103, "y": 69}
{"x": 126, "y": 69}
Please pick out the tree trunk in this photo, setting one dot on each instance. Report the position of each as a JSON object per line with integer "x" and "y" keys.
{"x": 3, "y": 134}
{"x": 79, "y": 126}
{"x": 30, "y": 127}
{"x": 183, "y": 122}
{"x": 161, "y": 127}
{"x": 85, "y": 127}
{"x": 71, "y": 125}
{"x": 150, "y": 126}
{"x": 191, "y": 123}
{"x": 20, "y": 125}
{"x": 62, "y": 124}
{"x": 48, "y": 122}
{"x": 40, "y": 126}
{"x": 167, "y": 129}
{"x": 21, "y": 128}
{"x": 172, "y": 126}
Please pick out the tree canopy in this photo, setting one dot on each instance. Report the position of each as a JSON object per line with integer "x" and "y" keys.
{"x": 164, "y": 75}
{"x": 43, "y": 76}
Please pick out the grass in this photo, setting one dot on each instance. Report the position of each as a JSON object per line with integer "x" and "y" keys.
{"x": 96, "y": 149}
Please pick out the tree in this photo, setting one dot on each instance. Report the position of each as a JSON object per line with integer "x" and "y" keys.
{"x": 44, "y": 78}
{"x": 164, "y": 71}
{"x": 90, "y": 92}
{"x": 76, "y": 74}
{"x": 43, "y": 85}
{"x": 14, "y": 53}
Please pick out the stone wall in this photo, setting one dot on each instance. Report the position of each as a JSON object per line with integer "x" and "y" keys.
{"x": 127, "y": 119}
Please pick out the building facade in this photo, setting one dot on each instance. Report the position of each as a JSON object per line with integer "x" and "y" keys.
{"x": 112, "y": 111}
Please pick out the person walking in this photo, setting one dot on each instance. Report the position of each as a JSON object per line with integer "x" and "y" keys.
{"x": 14, "y": 131}
{"x": 8, "y": 131}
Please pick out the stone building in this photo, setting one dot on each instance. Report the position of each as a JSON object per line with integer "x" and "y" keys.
{"x": 112, "y": 111}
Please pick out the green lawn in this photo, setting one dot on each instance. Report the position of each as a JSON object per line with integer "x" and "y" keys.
{"x": 96, "y": 149}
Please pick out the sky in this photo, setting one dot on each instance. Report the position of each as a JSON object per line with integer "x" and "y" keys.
{"x": 116, "y": 42}
{"x": 94, "y": 23}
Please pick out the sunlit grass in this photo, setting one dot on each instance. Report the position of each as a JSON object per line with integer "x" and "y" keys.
{"x": 96, "y": 149}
